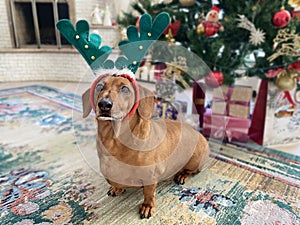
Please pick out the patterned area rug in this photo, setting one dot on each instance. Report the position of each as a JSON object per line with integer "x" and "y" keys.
{"x": 49, "y": 174}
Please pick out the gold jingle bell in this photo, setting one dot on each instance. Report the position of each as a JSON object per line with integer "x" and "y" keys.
{"x": 286, "y": 80}
{"x": 170, "y": 37}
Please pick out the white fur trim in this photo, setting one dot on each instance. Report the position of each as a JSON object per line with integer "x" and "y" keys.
{"x": 114, "y": 71}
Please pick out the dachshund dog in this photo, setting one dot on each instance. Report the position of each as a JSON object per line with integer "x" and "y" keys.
{"x": 135, "y": 149}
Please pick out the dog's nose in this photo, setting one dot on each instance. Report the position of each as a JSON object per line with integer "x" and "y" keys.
{"x": 105, "y": 104}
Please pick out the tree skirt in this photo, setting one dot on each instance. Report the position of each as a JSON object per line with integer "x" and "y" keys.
{"x": 49, "y": 174}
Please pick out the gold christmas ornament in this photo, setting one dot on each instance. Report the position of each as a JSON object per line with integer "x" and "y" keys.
{"x": 187, "y": 2}
{"x": 200, "y": 29}
{"x": 226, "y": 20}
{"x": 290, "y": 46}
{"x": 286, "y": 80}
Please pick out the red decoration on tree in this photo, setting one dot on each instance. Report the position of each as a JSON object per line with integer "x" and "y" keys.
{"x": 295, "y": 66}
{"x": 295, "y": 14}
{"x": 174, "y": 27}
{"x": 281, "y": 18}
{"x": 214, "y": 79}
{"x": 211, "y": 25}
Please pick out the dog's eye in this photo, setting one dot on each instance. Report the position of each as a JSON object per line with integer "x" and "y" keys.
{"x": 125, "y": 90}
{"x": 99, "y": 87}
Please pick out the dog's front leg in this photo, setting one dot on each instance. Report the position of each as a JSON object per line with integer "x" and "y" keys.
{"x": 148, "y": 206}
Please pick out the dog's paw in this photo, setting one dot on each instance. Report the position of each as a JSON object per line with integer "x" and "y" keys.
{"x": 146, "y": 211}
{"x": 113, "y": 191}
{"x": 181, "y": 178}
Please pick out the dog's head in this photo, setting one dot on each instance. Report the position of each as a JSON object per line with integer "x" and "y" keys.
{"x": 117, "y": 98}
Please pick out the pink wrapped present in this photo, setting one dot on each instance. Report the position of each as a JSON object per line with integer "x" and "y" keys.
{"x": 226, "y": 127}
{"x": 232, "y": 101}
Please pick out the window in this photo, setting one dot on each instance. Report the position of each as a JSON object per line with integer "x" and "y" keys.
{"x": 33, "y": 22}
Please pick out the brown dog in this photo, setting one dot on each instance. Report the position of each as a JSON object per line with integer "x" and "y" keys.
{"x": 140, "y": 151}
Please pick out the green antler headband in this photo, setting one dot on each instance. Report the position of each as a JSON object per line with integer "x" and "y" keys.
{"x": 87, "y": 45}
{"x": 134, "y": 50}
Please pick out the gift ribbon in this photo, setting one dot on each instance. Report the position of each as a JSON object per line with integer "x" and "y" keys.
{"x": 228, "y": 103}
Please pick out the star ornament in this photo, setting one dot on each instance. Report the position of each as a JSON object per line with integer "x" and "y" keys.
{"x": 257, "y": 37}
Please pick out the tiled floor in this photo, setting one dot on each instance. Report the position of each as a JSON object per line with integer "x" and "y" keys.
{"x": 79, "y": 88}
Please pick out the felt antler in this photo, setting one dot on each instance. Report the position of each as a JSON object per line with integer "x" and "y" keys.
{"x": 87, "y": 45}
{"x": 138, "y": 43}
{"x": 134, "y": 49}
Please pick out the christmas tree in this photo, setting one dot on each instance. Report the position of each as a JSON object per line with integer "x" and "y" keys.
{"x": 240, "y": 42}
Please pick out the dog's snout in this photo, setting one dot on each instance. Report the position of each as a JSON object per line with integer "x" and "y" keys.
{"x": 105, "y": 104}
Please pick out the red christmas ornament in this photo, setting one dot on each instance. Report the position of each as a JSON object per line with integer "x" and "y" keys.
{"x": 281, "y": 18}
{"x": 214, "y": 79}
{"x": 295, "y": 66}
{"x": 174, "y": 28}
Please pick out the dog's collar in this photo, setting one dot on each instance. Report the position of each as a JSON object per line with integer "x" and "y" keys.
{"x": 127, "y": 76}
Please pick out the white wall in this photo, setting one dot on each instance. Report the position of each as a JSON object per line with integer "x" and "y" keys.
{"x": 42, "y": 66}
{"x": 84, "y": 8}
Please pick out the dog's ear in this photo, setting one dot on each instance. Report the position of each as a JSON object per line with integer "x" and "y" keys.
{"x": 86, "y": 106}
{"x": 146, "y": 103}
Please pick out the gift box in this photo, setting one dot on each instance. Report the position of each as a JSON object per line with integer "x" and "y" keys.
{"x": 229, "y": 117}
{"x": 169, "y": 110}
{"x": 232, "y": 101}
{"x": 221, "y": 127}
